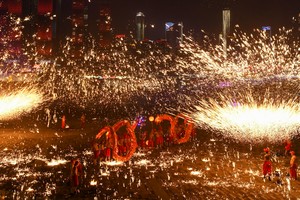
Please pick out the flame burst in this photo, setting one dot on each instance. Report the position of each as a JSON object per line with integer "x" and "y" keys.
{"x": 14, "y": 104}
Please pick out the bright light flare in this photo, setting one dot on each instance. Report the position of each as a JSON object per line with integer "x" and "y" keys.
{"x": 14, "y": 104}
{"x": 249, "y": 121}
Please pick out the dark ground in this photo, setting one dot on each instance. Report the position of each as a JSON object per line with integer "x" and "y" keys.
{"x": 210, "y": 167}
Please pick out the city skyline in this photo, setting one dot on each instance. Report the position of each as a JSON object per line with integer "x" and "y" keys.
{"x": 204, "y": 14}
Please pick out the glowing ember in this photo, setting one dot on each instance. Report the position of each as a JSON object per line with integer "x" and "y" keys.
{"x": 14, "y": 104}
{"x": 30, "y": 190}
{"x": 205, "y": 159}
{"x": 113, "y": 163}
{"x": 192, "y": 182}
{"x": 143, "y": 162}
{"x": 253, "y": 172}
{"x": 93, "y": 182}
{"x": 197, "y": 173}
{"x": 56, "y": 162}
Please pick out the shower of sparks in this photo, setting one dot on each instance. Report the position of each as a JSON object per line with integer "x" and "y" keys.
{"x": 125, "y": 76}
{"x": 233, "y": 102}
{"x": 248, "y": 120}
{"x": 130, "y": 73}
{"x": 248, "y": 56}
{"x": 14, "y": 104}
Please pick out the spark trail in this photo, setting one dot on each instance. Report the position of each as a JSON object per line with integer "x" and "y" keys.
{"x": 15, "y": 103}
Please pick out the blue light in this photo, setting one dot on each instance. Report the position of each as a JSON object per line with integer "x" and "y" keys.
{"x": 266, "y": 28}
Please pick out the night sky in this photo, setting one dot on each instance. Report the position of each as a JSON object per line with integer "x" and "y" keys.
{"x": 204, "y": 14}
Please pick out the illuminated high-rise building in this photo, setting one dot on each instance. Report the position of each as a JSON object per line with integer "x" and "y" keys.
{"x": 98, "y": 22}
{"x": 105, "y": 33}
{"x": 61, "y": 22}
{"x": 44, "y": 27}
{"x": 140, "y": 26}
{"x": 78, "y": 27}
{"x": 34, "y": 19}
{"x": 173, "y": 33}
{"x": 226, "y": 28}
{"x": 226, "y": 22}
{"x": 10, "y": 34}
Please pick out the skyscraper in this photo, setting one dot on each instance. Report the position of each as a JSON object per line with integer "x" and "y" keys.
{"x": 11, "y": 32}
{"x": 104, "y": 25}
{"x": 140, "y": 26}
{"x": 44, "y": 28}
{"x": 78, "y": 27}
{"x": 226, "y": 28}
{"x": 173, "y": 33}
{"x": 34, "y": 19}
{"x": 226, "y": 22}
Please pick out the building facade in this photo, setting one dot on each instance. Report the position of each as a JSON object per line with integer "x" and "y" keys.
{"x": 49, "y": 24}
{"x": 140, "y": 26}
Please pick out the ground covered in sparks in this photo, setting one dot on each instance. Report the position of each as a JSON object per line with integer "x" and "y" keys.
{"x": 35, "y": 163}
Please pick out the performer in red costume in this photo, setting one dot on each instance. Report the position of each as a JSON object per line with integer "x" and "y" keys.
{"x": 121, "y": 145}
{"x": 76, "y": 171}
{"x": 150, "y": 141}
{"x": 109, "y": 146}
{"x": 63, "y": 122}
{"x": 267, "y": 166}
{"x": 287, "y": 147}
{"x": 159, "y": 137}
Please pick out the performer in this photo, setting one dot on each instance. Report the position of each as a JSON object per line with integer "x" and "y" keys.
{"x": 143, "y": 136}
{"x": 96, "y": 151}
{"x": 193, "y": 134}
{"x": 180, "y": 130}
{"x": 48, "y": 117}
{"x": 267, "y": 166}
{"x": 121, "y": 145}
{"x": 293, "y": 166}
{"x": 109, "y": 146}
{"x": 159, "y": 138}
{"x": 287, "y": 147}
{"x": 82, "y": 121}
{"x": 150, "y": 141}
{"x": 63, "y": 122}
{"x": 76, "y": 171}
{"x": 127, "y": 142}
